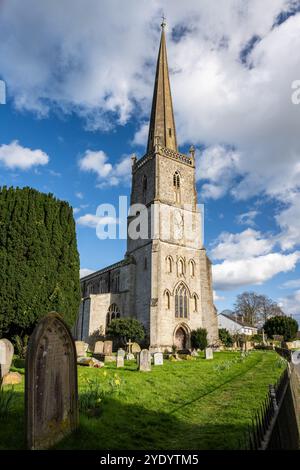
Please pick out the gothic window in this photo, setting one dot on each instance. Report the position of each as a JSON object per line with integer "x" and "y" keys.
{"x": 115, "y": 283}
{"x": 170, "y": 132}
{"x": 176, "y": 180}
{"x": 195, "y": 303}
{"x": 176, "y": 184}
{"x": 192, "y": 268}
{"x": 181, "y": 302}
{"x": 169, "y": 264}
{"x": 180, "y": 267}
{"x": 113, "y": 312}
{"x": 144, "y": 188}
{"x": 168, "y": 300}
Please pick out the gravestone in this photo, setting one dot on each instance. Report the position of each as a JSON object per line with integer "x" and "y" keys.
{"x": 51, "y": 397}
{"x": 98, "y": 349}
{"x": 135, "y": 348}
{"x": 145, "y": 361}
{"x": 130, "y": 357}
{"x": 158, "y": 359}
{"x": 80, "y": 348}
{"x": 6, "y": 356}
{"x": 120, "y": 358}
{"x": 209, "y": 353}
{"x": 107, "y": 348}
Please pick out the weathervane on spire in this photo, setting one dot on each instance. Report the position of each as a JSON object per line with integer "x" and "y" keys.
{"x": 163, "y": 24}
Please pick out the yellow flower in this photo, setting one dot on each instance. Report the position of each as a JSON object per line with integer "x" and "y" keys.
{"x": 117, "y": 382}
{"x": 105, "y": 373}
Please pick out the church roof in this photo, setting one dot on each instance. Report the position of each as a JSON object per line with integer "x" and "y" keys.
{"x": 162, "y": 124}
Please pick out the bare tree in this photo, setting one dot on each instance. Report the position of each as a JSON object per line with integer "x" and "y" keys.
{"x": 253, "y": 308}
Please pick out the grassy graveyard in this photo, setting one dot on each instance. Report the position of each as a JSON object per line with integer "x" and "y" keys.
{"x": 191, "y": 404}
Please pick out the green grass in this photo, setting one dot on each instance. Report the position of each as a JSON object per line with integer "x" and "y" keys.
{"x": 182, "y": 405}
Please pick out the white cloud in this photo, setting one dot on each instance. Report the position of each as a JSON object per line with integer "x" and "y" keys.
{"x": 108, "y": 174}
{"x": 291, "y": 304}
{"x": 247, "y": 218}
{"x": 92, "y": 220}
{"x": 236, "y": 273}
{"x": 141, "y": 136}
{"x": 85, "y": 272}
{"x": 76, "y": 210}
{"x": 243, "y": 245}
{"x": 292, "y": 284}
{"x": 13, "y": 156}
{"x": 289, "y": 222}
{"x": 79, "y": 195}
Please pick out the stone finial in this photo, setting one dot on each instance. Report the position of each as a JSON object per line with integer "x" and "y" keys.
{"x": 192, "y": 151}
{"x": 133, "y": 159}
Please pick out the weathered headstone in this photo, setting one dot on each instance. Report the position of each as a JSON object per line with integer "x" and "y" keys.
{"x": 145, "y": 360}
{"x": 98, "y": 349}
{"x": 129, "y": 356}
{"x": 158, "y": 359}
{"x": 209, "y": 353}
{"x": 51, "y": 397}
{"x": 12, "y": 378}
{"x": 80, "y": 348}
{"x": 107, "y": 348}
{"x": 120, "y": 357}
{"x": 6, "y": 356}
{"x": 135, "y": 348}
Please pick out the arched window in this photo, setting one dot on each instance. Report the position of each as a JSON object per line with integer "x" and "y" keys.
{"x": 176, "y": 180}
{"x": 113, "y": 312}
{"x": 144, "y": 188}
{"x": 168, "y": 300}
{"x": 169, "y": 264}
{"x": 181, "y": 302}
{"x": 180, "y": 267}
{"x": 192, "y": 268}
{"x": 195, "y": 302}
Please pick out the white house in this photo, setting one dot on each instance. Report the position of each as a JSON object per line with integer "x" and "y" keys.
{"x": 235, "y": 326}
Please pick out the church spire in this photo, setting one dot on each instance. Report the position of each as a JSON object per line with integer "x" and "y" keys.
{"x": 162, "y": 124}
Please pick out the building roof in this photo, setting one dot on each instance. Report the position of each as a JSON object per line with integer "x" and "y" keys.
{"x": 162, "y": 124}
{"x": 239, "y": 322}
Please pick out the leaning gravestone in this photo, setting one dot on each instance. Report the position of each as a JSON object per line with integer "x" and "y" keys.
{"x": 145, "y": 360}
{"x": 107, "y": 348}
{"x": 80, "y": 348}
{"x": 158, "y": 359}
{"x": 51, "y": 397}
{"x": 135, "y": 348}
{"x": 120, "y": 358}
{"x": 98, "y": 349}
{"x": 209, "y": 353}
{"x": 6, "y": 356}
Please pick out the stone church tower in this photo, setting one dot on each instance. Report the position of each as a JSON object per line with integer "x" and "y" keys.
{"x": 165, "y": 279}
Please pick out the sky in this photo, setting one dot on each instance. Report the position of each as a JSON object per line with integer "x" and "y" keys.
{"x": 79, "y": 84}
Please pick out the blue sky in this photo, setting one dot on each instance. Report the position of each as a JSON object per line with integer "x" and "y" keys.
{"x": 78, "y": 103}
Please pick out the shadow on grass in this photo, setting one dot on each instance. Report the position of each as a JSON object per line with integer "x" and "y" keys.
{"x": 128, "y": 427}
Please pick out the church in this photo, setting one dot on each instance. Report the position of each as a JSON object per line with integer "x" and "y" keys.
{"x": 164, "y": 280}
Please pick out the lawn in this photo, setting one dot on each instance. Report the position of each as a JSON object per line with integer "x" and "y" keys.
{"x": 181, "y": 405}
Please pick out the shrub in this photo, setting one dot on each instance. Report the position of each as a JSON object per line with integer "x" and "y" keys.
{"x": 279, "y": 325}
{"x": 125, "y": 329}
{"x": 20, "y": 344}
{"x": 38, "y": 258}
{"x": 225, "y": 337}
{"x": 199, "y": 338}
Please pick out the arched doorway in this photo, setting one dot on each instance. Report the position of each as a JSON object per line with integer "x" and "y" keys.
{"x": 180, "y": 338}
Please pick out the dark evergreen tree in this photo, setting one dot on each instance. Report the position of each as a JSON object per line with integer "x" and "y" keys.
{"x": 39, "y": 261}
